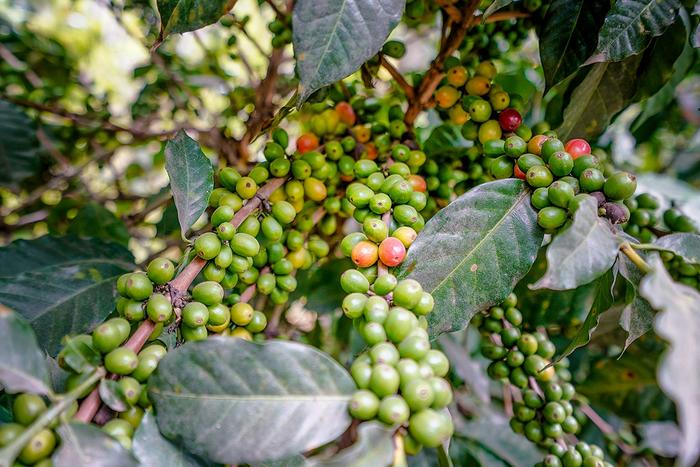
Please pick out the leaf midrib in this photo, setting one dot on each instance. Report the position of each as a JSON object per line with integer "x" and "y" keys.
{"x": 624, "y": 30}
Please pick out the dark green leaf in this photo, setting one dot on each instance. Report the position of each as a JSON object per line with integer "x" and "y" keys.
{"x": 153, "y": 450}
{"x": 80, "y": 357}
{"x": 334, "y": 37}
{"x": 321, "y": 294}
{"x": 57, "y": 375}
{"x": 618, "y": 377}
{"x": 471, "y": 254}
{"x": 679, "y": 323}
{"x": 178, "y": 16}
{"x": 496, "y": 437}
{"x": 606, "y": 89}
{"x": 603, "y": 301}
{"x": 637, "y": 317}
{"x": 83, "y": 444}
{"x": 567, "y": 38}
{"x": 267, "y": 401}
{"x": 494, "y": 7}
{"x": 96, "y": 221}
{"x": 22, "y": 366}
{"x": 60, "y": 294}
{"x": 374, "y": 447}
{"x": 582, "y": 252}
{"x": 685, "y": 245}
{"x": 191, "y": 178}
{"x": 629, "y": 27}
{"x": 169, "y": 222}
{"x": 20, "y": 151}
{"x": 446, "y": 140}
{"x": 112, "y": 395}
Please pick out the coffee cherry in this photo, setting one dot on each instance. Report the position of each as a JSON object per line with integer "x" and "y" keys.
{"x": 577, "y": 147}
{"x": 392, "y": 251}
{"x": 549, "y": 147}
{"x": 414, "y": 347}
{"x": 560, "y": 194}
{"x": 207, "y": 245}
{"x": 510, "y": 120}
{"x": 110, "y": 334}
{"x": 160, "y": 270}
{"x": 364, "y": 254}
{"x": 384, "y": 380}
{"x": 430, "y": 428}
{"x": 406, "y": 235}
{"x": 561, "y": 163}
{"x": 591, "y": 179}
{"x": 418, "y": 394}
{"x": 244, "y": 244}
{"x": 353, "y": 280}
{"x": 39, "y": 447}
{"x": 208, "y": 292}
{"x": 551, "y": 217}
{"x": 399, "y": 324}
{"x": 539, "y": 176}
{"x": 393, "y": 410}
{"x": 138, "y": 286}
{"x": 534, "y": 145}
{"x": 242, "y": 314}
{"x": 27, "y": 407}
{"x": 407, "y": 293}
{"x": 191, "y": 334}
{"x": 620, "y": 185}
{"x": 159, "y": 308}
{"x": 121, "y": 361}
{"x": 437, "y": 361}
{"x": 195, "y": 314}
{"x": 384, "y": 284}
{"x": 446, "y": 96}
{"x": 364, "y": 405}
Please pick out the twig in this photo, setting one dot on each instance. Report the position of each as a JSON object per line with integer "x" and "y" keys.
{"x": 399, "y": 459}
{"x": 17, "y": 64}
{"x": 506, "y": 15}
{"x": 398, "y": 77}
{"x": 643, "y": 266}
{"x": 604, "y": 426}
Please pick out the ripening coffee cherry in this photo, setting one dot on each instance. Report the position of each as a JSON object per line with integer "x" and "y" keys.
{"x": 591, "y": 179}
{"x": 391, "y": 251}
{"x": 577, "y": 147}
{"x": 364, "y": 405}
{"x": 510, "y": 120}
{"x": 40, "y": 446}
{"x": 364, "y": 254}
{"x": 242, "y": 314}
{"x": 539, "y": 176}
{"x": 406, "y": 235}
{"x": 161, "y": 270}
{"x": 139, "y": 286}
{"x": 159, "y": 308}
{"x": 620, "y": 185}
{"x": 307, "y": 142}
{"x": 207, "y": 246}
{"x": 195, "y": 314}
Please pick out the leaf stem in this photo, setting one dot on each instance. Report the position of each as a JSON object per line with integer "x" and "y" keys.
{"x": 10, "y": 452}
{"x": 399, "y": 452}
{"x": 627, "y": 249}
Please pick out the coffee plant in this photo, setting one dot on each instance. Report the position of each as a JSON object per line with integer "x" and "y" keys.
{"x": 350, "y": 233}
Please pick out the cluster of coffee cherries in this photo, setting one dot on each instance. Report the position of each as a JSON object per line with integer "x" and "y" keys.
{"x": 544, "y": 413}
{"x": 644, "y": 220}
{"x": 25, "y": 409}
{"x": 401, "y": 380}
{"x": 281, "y": 29}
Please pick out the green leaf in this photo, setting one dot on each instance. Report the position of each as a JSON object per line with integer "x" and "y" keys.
{"x": 494, "y": 7}
{"x": 20, "y": 151}
{"x": 678, "y": 322}
{"x": 80, "y": 357}
{"x": 22, "y": 366}
{"x": 191, "y": 178}
{"x": 606, "y": 90}
{"x": 515, "y": 450}
{"x": 617, "y": 377}
{"x": 154, "y": 450}
{"x": 112, "y": 395}
{"x": 267, "y": 401}
{"x": 374, "y": 447}
{"x": 471, "y": 254}
{"x": 685, "y": 245}
{"x": 567, "y": 38}
{"x": 582, "y": 252}
{"x": 178, "y": 16}
{"x": 332, "y": 38}
{"x": 446, "y": 140}
{"x": 638, "y": 316}
{"x": 629, "y": 27}
{"x": 602, "y": 302}
{"x": 321, "y": 295}
{"x": 96, "y": 221}
{"x": 83, "y": 444}
{"x": 57, "y": 293}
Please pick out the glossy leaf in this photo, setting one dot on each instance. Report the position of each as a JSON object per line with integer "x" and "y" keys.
{"x": 446, "y": 140}
{"x": 95, "y": 221}
{"x": 22, "y": 366}
{"x": 154, "y": 450}
{"x": 567, "y": 38}
{"x": 191, "y": 178}
{"x": 471, "y": 254}
{"x": 20, "y": 151}
{"x": 601, "y": 303}
{"x": 679, "y": 323}
{"x": 685, "y": 245}
{"x": 637, "y": 317}
{"x": 630, "y": 25}
{"x": 232, "y": 401}
{"x": 582, "y": 252}
{"x": 178, "y": 16}
{"x": 332, "y": 38}
{"x": 374, "y": 447}
{"x": 59, "y": 293}
{"x": 83, "y": 444}
{"x": 607, "y": 89}
{"x": 321, "y": 295}
{"x": 515, "y": 450}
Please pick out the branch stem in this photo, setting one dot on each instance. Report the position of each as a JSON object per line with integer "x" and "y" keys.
{"x": 627, "y": 249}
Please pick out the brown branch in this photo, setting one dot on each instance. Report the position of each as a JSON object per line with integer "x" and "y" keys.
{"x": 506, "y": 15}
{"x": 604, "y": 426}
{"x": 453, "y": 12}
{"x": 398, "y": 77}
{"x": 432, "y": 78}
{"x": 18, "y": 65}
